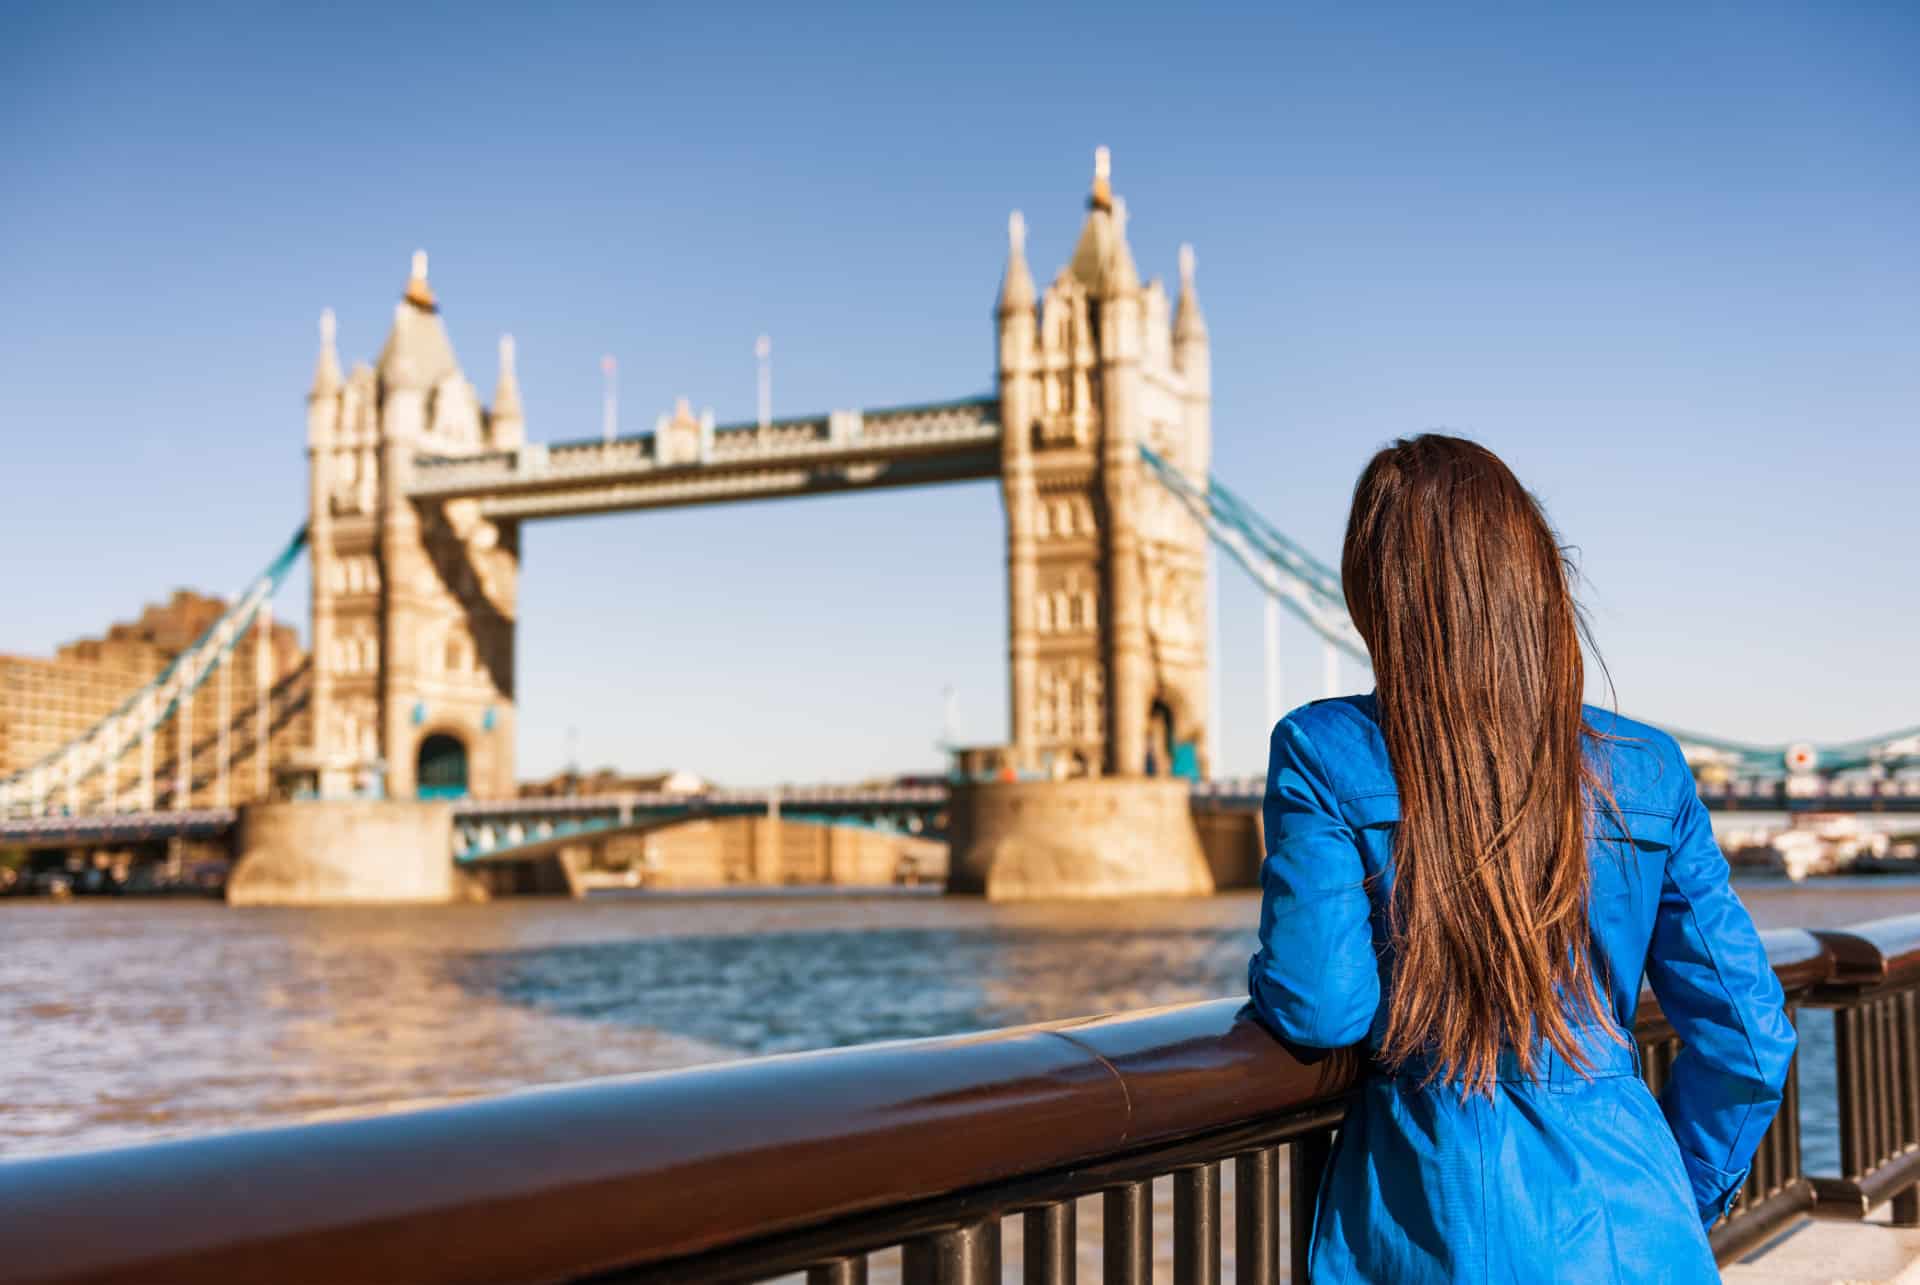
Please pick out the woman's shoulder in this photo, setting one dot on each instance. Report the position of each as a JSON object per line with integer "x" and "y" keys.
{"x": 1343, "y": 741}
{"x": 1643, "y": 766}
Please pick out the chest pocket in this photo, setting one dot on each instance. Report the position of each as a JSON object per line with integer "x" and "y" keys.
{"x": 1372, "y": 816}
{"x": 1371, "y": 808}
{"x": 1628, "y": 863}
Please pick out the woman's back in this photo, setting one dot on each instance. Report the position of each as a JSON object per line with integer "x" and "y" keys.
{"x": 1469, "y": 873}
{"x": 1568, "y": 1174}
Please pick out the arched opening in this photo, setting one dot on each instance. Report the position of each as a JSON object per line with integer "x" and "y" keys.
{"x": 441, "y": 771}
{"x": 1167, "y": 753}
{"x": 1159, "y": 740}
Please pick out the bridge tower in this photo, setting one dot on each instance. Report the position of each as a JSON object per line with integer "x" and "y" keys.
{"x": 1106, "y": 572}
{"x": 1106, "y": 580}
{"x": 413, "y": 602}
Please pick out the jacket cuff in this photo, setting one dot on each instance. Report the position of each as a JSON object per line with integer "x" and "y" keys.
{"x": 1714, "y": 1190}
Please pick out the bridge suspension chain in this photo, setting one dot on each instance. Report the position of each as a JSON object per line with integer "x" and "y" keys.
{"x": 131, "y": 728}
{"x": 1308, "y": 587}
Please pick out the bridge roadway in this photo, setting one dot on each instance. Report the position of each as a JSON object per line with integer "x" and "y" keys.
{"x": 904, "y": 446}
{"x": 914, "y": 808}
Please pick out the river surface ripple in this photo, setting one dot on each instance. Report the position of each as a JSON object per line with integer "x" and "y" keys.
{"x": 127, "y": 1021}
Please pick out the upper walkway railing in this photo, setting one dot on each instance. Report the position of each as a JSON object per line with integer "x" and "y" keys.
{"x": 687, "y": 464}
{"x": 816, "y": 1161}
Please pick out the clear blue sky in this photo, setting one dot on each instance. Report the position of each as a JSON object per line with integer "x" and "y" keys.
{"x": 1663, "y": 258}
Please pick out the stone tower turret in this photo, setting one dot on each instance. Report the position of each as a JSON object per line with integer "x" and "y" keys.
{"x": 413, "y": 603}
{"x": 1106, "y": 573}
{"x": 506, "y": 421}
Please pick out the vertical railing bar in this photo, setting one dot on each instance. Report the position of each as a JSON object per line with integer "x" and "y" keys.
{"x": 1883, "y": 1081}
{"x": 1846, "y": 1084}
{"x": 1050, "y": 1245}
{"x": 1869, "y": 1088}
{"x": 1196, "y": 1225}
{"x": 1910, "y": 1066}
{"x": 1864, "y": 1079}
{"x": 840, "y": 1271}
{"x": 1790, "y": 1125}
{"x": 1906, "y": 1204}
{"x": 1896, "y": 1091}
{"x": 1256, "y": 1222}
{"x": 1904, "y": 1071}
{"x": 968, "y": 1255}
{"x": 1127, "y": 1248}
{"x": 1306, "y": 1163}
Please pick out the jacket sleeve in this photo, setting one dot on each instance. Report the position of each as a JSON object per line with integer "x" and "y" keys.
{"x": 1710, "y": 972}
{"x": 1315, "y": 980}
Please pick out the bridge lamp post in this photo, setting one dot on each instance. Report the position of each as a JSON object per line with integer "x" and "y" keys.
{"x": 223, "y": 791}
{"x": 763, "y": 353}
{"x": 263, "y": 683}
{"x": 610, "y": 398}
{"x": 1276, "y": 705}
{"x": 183, "y": 739}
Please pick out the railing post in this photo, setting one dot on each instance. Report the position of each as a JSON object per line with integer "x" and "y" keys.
{"x": 1256, "y": 1225}
{"x": 841, "y": 1271}
{"x": 1050, "y": 1250}
{"x": 1306, "y": 1164}
{"x": 968, "y": 1255}
{"x": 1126, "y": 1234}
{"x": 1196, "y": 1226}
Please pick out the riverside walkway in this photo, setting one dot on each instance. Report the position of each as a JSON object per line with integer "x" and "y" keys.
{"x": 1034, "y": 1153}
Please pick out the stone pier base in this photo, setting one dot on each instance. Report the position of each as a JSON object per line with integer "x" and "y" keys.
{"x": 334, "y": 852}
{"x": 1098, "y": 837}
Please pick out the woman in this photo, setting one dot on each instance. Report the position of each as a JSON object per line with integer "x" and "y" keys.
{"x": 1470, "y": 872}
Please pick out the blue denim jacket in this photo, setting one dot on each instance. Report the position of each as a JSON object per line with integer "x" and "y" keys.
{"x": 1563, "y": 1178}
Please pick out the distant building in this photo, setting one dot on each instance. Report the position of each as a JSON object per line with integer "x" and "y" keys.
{"x": 47, "y": 702}
{"x": 605, "y": 780}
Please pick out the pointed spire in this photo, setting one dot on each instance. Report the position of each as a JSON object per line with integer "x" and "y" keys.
{"x": 326, "y": 371}
{"x": 505, "y": 421}
{"x": 1101, "y": 197}
{"x": 1101, "y": 259}
{"x": 1016, "y": 287}
{"x": 419, "y": 293}
{"x": 1188, "y": 323}
{"x": 506, "y": 394}
{"x": 418, "y": 353}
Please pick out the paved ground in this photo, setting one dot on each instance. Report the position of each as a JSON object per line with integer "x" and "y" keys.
{"x": 1831, "y": 1253}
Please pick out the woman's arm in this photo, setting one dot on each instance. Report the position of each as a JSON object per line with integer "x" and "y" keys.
{"x": 1710, "y": 972}
{"x": 1314, "y": 981}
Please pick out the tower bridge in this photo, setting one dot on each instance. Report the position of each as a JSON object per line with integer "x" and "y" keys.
{"x": 418, "y": 493}
{"x": 1099, "y": 434}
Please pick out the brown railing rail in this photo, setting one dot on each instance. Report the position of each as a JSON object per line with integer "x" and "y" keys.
{"x": 1871, "y": 988}
{"x": 813, "y": 1162}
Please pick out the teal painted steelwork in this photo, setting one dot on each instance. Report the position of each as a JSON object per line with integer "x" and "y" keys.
{"x": 237, "y": 618}
{"x": 1316, "y": 597}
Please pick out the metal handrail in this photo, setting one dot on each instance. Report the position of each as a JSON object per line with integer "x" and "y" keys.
{"x": 812, "y": 1161}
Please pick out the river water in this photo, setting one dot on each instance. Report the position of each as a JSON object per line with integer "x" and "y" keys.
{"x": 125, "y": 1021}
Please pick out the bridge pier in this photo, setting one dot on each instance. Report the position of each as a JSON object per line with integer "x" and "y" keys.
{"x": 344, "y": 851}
{"x": 1077, "y": 839}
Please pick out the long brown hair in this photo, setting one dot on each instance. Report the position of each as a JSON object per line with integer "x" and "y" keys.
{"x": 1464, "y": 596}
